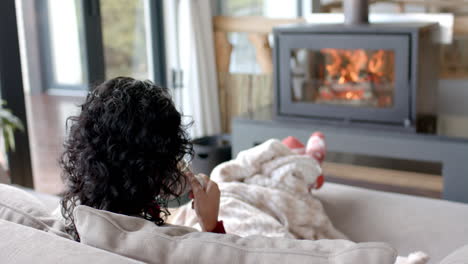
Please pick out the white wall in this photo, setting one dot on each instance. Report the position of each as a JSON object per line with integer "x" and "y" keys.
{"x": 280, "y": 9}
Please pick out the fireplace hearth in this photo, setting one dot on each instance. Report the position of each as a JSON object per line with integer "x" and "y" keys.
{"x": 377, "y": 75}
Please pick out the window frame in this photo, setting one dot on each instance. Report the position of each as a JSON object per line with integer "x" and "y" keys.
{"x": 46, "y": 57}
{"x": 93, "y": 50}
{"x": 12, "y": 91}
{"x": 11, "y": 78}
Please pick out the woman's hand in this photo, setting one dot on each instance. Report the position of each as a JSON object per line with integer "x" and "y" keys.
{"x": 206, "y": 201}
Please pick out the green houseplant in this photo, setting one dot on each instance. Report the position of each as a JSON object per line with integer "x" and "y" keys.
{"x": 8, "y": 124}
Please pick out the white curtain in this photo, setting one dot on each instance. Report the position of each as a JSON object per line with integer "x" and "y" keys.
{"x": 199, "y": 96}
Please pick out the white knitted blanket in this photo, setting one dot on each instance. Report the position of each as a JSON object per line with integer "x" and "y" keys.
{"x": 264, "y": 192}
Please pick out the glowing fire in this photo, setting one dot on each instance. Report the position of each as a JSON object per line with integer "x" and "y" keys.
{"x": 351, "y": 77}
{"x": 376, "y": 63}
{"x": 350, "y": 72}
{"x": 346, "y": 95}
{"x": 348, "y": 64}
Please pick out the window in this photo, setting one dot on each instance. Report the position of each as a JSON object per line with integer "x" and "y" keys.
{"x": 125, "y": 30}
{"x": 68, "y": 46}
{"x": 64, "y": 22}
{"x": 243, "y": 55}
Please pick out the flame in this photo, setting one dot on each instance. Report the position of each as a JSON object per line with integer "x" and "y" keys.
{"x": 355, "y": 67}
{"x": 334, "y": 67}
{"x": 376, "y": 63}
{"x": 351, "y": 95}
{"x": 347, "y": 65}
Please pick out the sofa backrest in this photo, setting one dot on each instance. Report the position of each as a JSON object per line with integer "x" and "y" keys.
{"x": 22, "y": 244}
{"x": 140, "y": 239}
{"x": 408, "y": 223}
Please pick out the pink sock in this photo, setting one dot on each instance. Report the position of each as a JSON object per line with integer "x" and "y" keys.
{"x": 316, "y": 146}
{"x": 297, "y": 147}
{"x": 316, "y": 149}
{"x": 294, "y": 144}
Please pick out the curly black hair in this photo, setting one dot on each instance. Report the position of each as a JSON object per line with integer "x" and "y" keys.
{"x": 123, "y": 151}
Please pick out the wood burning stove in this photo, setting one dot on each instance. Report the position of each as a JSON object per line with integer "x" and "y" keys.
{"x": 365, "y": 74}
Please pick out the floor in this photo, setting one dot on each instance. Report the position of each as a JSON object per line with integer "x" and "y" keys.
{"x": 46, "y": 122}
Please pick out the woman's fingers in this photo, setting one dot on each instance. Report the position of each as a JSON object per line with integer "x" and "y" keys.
{"x": 196, "y": 186}
{"x": 204, "y": 180}
{"x": 212, "y": 187}
{"x": 207, "y": 206}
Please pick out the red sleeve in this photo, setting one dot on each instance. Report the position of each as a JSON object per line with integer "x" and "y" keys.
{"x": 219, "y": 228}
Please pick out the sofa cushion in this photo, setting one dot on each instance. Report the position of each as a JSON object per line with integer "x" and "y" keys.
{"x": 21, "y": 244}
{"x": 408, "y": 223}
{"x": 51, "y": 202}
{"x": 22, "y": 208}
{"x": 460, "y": 256}
{"x": 143, "y": 240}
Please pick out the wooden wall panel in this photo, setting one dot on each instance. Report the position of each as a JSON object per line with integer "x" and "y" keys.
{"x": 242, "y": 93}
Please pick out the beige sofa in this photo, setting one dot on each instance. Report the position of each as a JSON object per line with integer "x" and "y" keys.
{"x": 405, "y": 222}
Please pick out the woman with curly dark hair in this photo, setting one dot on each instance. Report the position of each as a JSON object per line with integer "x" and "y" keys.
{"x": 123, "y": 155}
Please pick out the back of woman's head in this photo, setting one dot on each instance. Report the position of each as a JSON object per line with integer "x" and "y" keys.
{"x": 123, "y": 151}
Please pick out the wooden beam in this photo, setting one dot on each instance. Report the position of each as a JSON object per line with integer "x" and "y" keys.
{"x": 263, "y": 51}
{"x": 384, "y": 176}
{"x": 401, "y": 8}
{"x": 223, "y": 50}
{"x": 249, "y": 24}
{"x": 460, "y": 26}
